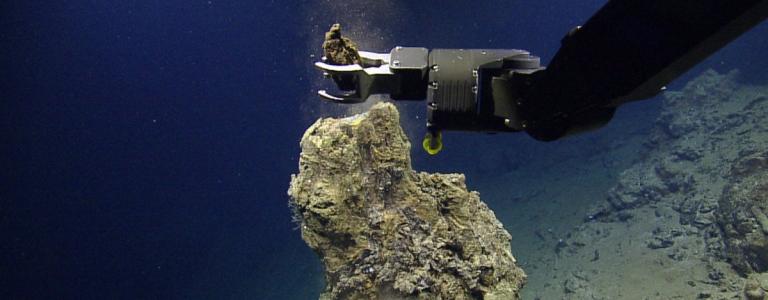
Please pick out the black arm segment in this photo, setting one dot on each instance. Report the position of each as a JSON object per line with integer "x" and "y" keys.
{"x": 629, "y": 50}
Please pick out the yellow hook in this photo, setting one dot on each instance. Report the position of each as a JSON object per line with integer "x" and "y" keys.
{"x": 433, "y": 143}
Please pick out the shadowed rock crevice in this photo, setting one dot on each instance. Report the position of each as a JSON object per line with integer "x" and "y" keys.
{"x": 384, "y": 231}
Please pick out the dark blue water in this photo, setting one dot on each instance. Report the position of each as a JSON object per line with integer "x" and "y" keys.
{"x": 147, "y": 146}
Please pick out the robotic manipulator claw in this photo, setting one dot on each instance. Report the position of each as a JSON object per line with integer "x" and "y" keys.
{"x": 465, "y": 89}
{"x": 400, "y": 73}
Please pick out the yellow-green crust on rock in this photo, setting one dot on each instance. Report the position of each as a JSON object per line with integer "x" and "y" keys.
{"x": 384, "y": 231}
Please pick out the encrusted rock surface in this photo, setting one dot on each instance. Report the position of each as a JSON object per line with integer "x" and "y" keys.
{"x": 384, "y": 231}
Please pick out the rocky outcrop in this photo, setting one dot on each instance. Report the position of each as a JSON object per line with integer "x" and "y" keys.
{"x": 742, "y": 214}
{"x": 706, "y": 166}
{"x": 703, "y": 130}
{"x": 384, "y": 231}
{"x": 686, "y": 151}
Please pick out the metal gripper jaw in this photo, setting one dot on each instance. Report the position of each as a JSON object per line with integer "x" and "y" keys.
{"x": 401, "y": 73}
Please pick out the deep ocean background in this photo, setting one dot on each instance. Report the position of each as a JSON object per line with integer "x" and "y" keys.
{"x": 146, "y": 146}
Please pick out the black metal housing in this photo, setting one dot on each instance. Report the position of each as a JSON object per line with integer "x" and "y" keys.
{"x": 460, "y": 91}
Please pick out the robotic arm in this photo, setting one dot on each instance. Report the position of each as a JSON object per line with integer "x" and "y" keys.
{"x": 629, "y": 50}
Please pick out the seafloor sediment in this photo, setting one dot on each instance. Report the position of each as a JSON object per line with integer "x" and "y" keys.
{"x": 708, "y": 166}
{"x": 687, "y": 218}
{"x": 384, "y": 231}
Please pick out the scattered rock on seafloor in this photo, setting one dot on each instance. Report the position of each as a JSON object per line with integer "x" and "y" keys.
{"x": 660, "y": 242}
{"x": 577, "y": 286}
{"x": 384, "y": 231}
{"x": 636, "y": 187}
{"x": 756, "y": 287}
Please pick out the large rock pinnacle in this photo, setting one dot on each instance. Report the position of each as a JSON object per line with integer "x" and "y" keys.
{"x": 384, "y": 231}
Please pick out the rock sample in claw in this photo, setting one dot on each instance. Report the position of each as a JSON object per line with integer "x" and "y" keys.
{"x": 339, "y": 50}
{"x": 384, "y": 231}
